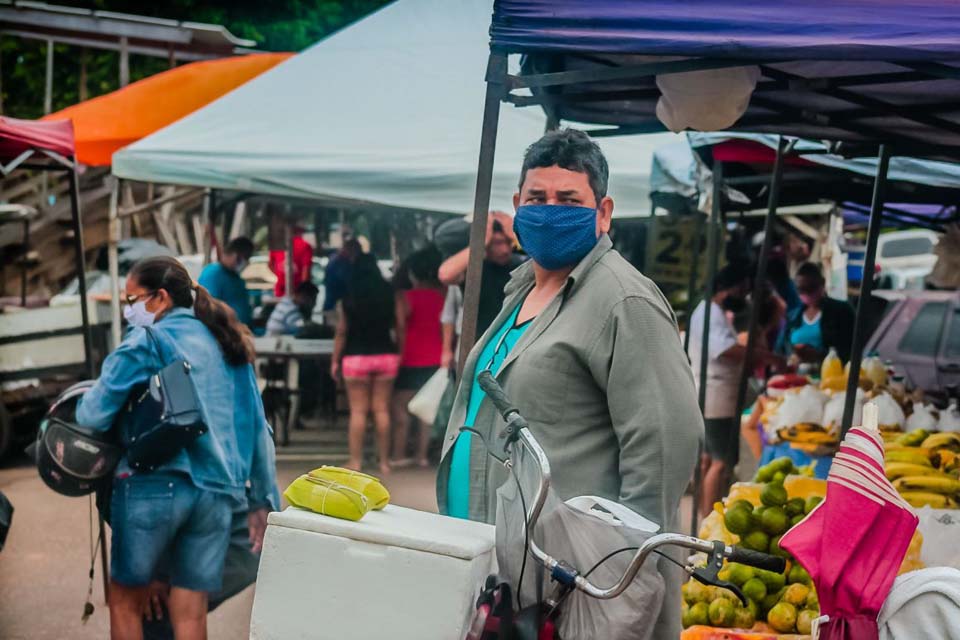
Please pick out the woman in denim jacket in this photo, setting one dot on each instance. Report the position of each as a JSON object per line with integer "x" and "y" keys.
{"x": 180, "y": 514}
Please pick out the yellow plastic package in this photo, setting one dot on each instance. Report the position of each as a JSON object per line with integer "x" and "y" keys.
{"x": 327, "y": 497}
{"x": 369, "y": 486}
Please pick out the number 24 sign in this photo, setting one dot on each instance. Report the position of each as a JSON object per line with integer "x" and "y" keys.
{"x": 670, "y": 249}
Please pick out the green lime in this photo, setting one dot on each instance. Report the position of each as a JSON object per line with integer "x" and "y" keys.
{"x": 764, "y": 474}
{"x": 754, "y": 589}
{"x": 783, "y": 464}
{"x": 776, "y": 550}
{"x": 768, "y": 603}
{"x": 813, "y": 602}
{"x": 756, "y": 540}
{"x": 796, "y": 594}
{"x": 685, "y": 615}
{"x": 779, "y": 476}
{"x": 694, "y": 592}
{"x": 699, "y": 614}
{"x": 812, "y": 502}
{"x": 743, "y": 618}
{"x": 740, "y": 573}
{"x": 737, "y": 520}
{"x": 783, "y": 617}
{"x": 774, "y": 581}
{"x": 805, "y": 621}
{"x": 799, "y": 575}
{"x": 795, "y": 520}
{"x": 721, "y": 612}
{"x": 742, "y": 504}
{"x": 773, "y": 494}
{"x": 795, "y": 507}
{"x": 774, "y": 521}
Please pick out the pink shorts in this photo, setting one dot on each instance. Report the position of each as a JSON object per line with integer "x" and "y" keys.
{"x": 381, "y": 365}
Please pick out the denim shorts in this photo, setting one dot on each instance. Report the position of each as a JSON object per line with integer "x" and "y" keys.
{"x": 162, "y": 518}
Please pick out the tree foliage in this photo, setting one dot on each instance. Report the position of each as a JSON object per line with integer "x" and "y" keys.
{"x": 277, "y": 25}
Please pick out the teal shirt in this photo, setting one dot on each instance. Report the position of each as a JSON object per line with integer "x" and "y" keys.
{"x": 227, "y": 285}
{"x": 808, "y": 333}
{"x": 492, "y": 357}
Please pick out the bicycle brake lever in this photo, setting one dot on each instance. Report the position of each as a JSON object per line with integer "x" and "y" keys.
{"x": 708, "y": 575}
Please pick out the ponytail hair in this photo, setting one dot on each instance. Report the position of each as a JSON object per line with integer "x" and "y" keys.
{"x": 167, "y": 273}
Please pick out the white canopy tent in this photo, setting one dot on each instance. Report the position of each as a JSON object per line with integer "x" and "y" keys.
{"x": 385, "y": 112}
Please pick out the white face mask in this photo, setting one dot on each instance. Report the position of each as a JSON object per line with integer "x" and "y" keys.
{"x": 137, "y": 314}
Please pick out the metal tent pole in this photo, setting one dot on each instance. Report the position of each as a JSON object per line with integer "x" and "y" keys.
{"x": 772, "y": 202}
{"x": 713, "y": 240}
{"x": 866, "y": 288}
{"x": 694, "y": 267}
{"x": 496, "y": 77}
{"x": 113, "y": 261}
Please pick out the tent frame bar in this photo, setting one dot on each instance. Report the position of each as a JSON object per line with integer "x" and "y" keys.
{"x": 760, "y": 277}
{"x": 866, "y": 288}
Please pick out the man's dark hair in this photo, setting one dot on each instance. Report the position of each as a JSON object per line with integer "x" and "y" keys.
{"x": 812, "y": 271}
{"x": 307, "y": 288}
{"x": 572, "y": 150}
{"x": 730, "y": 276}
{"x": 240, "y": 246}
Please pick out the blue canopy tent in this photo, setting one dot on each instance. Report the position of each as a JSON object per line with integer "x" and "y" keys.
{"x": 878, "y": 77}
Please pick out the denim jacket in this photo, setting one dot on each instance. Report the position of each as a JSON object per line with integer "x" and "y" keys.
{"x": 236, "y": 456}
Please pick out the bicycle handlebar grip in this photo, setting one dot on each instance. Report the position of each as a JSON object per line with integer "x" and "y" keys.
{"x": 758, "y": 559}
{"x": 495, "y": 392}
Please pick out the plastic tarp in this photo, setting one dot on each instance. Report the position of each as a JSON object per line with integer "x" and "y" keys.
{"x": 109, "y": 122}
{"x": 788, "y": 29}
{"x": 814, "y": 58}
{"x": 18, "y": 136}
{"x": 386, "y": 112}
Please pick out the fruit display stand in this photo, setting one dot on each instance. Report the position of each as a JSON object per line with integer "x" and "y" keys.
{"x": 755, "y": 515}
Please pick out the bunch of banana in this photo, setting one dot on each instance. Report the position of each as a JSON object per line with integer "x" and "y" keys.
{"x": 913, "y": 455}
{"x": 807, "y": 433}
{"x": 945, "y": 440}
{"x": 895, "y": 470}
{"x": 913, "y": 438}
{"x": 928, "y": 499}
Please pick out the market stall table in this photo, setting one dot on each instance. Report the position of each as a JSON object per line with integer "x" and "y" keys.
{"x": 291, "y": 351}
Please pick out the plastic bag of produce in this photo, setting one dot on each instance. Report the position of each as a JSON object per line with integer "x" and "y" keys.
{"x": 581, "y": 536}
{"x": 924, "y": 416}
{"x": 800, "y": 407}
{"x": 941, "y": 530}
{"x": 949, "y": 418}
{"x": 833, "y": 411}
{"x": 891, "y": 416}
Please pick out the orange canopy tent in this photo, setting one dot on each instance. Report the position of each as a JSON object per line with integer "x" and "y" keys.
{"x": 110, "y": 122}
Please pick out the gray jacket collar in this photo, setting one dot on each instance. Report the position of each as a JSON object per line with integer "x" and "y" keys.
{"x": 523, "y": 276}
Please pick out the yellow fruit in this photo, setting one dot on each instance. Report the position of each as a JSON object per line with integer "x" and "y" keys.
{"x": 926, "y": 499}
{"x": 796, "y": 594}
{"x": 908, "y": 455}
{"x": 945, "y": 440}
{"x": 894, "y": 470}
{"x": 913, "y": 438}
{"x": 783, "y": 617}
{"x": 721, "y": 612}
{"x": 699, "y": 614}
{"x": 934, "y": 484}
{"x": 805, "y": 621}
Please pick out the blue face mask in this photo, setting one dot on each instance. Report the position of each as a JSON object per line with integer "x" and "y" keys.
{"x": 555, "y": 235}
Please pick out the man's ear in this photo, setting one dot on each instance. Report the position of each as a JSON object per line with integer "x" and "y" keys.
{"x": 605, "y": 215}
{"x": 516, "y": 200}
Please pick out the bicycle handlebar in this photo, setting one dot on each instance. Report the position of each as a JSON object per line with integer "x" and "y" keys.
{"x": 758, "y": 559}
{"x": 496, "y": 394}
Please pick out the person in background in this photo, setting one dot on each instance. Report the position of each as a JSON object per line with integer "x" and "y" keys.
{"x": 367, "y": 355}
{"x": 291, "y": 314}
{"x": 588, "y": 350}
{"x": 725, "y": 360}
{"x": 182, "y": 511}
{"x": 418, "y": 309}
{"x": 302, "y": 262}
{"x": 336, "y": 278}
{"x": 499, "y": 261}
{"x": 779, "y": 276}
{"x": 823, "y": 323}
{"x": 222, "y": 279}
{"x": 451, "y": 320}
{"x": 796, "y": 250}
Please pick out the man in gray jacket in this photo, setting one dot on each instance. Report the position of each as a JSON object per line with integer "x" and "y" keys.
{"x": 588, "y": 349}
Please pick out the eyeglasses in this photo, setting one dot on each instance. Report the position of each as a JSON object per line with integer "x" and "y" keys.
{"x": 131, "y": 300}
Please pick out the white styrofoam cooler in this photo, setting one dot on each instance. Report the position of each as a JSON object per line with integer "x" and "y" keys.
{"x": 397, "y": 573}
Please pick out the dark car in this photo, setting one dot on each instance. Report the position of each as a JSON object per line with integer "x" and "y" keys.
{"x": 920, "y": 333}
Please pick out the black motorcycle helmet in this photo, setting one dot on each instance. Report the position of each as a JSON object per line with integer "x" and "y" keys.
{"x": 73, "y": 460}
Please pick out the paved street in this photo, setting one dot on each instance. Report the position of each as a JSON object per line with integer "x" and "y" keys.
{"x": 43, "y": 567}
